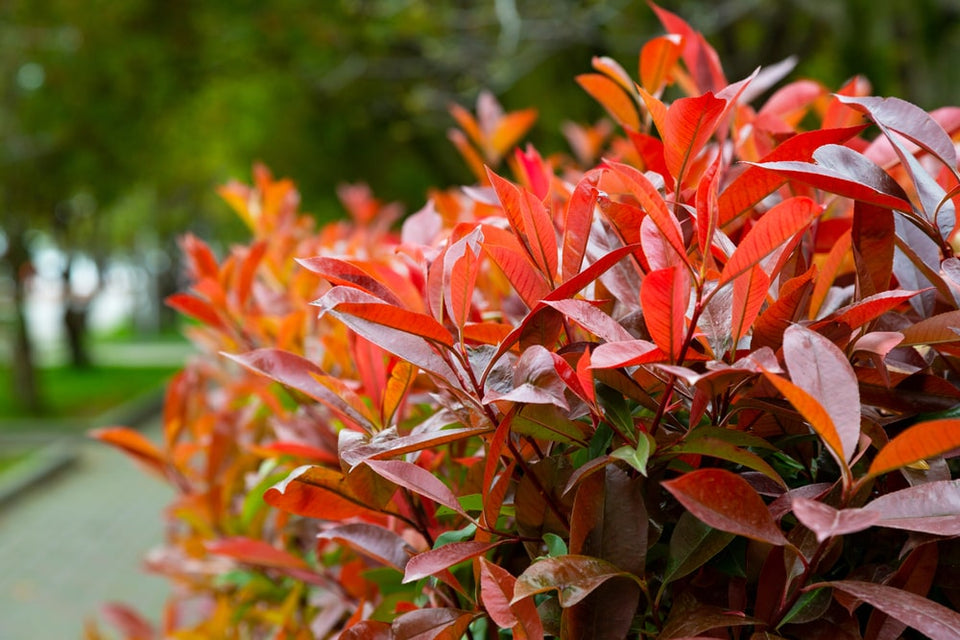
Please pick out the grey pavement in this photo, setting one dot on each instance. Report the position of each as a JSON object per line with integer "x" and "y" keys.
{"x": 76, "y": 541}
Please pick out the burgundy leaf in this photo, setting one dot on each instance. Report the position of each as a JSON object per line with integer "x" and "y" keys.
{"x": 436, "y": 560}
{"x": 818, "y": 367}
{"x": 935, "y": 621}
{"x": 432, "y": 624}
{"x": 727, "y": 502}
{"x": 572, "y": 576}
{"x": 827, "y": 522}
{"x": 375, "y": 542}
{"x": 932, "y": 507}
{"x": 418, "y": 480}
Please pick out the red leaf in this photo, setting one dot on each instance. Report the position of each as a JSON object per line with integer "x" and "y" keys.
{"x": 701, "y": 59}
{"x": 535, "y": 381}
{"x": 347, "y": 301}
{"x": 195, "y": 308}
{"x": 919, "y": 442}
{"x": 690, "y": 122}
{"x": 375, "y": 542}
{"x": 301, "y": 374}
{"x": 432, "y": 624}
{"x": 725, "y": 501}
{"x": 436, "y": 560}
{"x": 827, "y": 522}
{"x": 341, "y": 272}
{"x": 817, "y": 366}
{"x": 935, "y": 621}
{"x": 418, "y": 480}
{"x": 248, "y": 269}
{"x": 591, "y": 318}
{"x": 909, "y": 120}
{"x": 749, "y": 294}
{"x": 776, "y": 227}
{"x": 658, "y": 57}
{"x": 664, "y": 295}
{"x": 531, "y": 222}
{"x": 258, "y": 552}
{"x": 418, "y": 440}
{"x": 496, "y": 592}
{"x": 845, "y": 172}
{"x": 932, "y": 507}
{"x": 613, "y": 98}
{"x": 753, "y": 185}
{"x": 828, "y": 270}
{"x": 577, "y": 218}
{"x": 653, "y": 203}
{"x": 789, "y": 307}
{"x": 506, "y": 251}
{"x": 573, "y": 576}
{"x": 873, "y": 234}
{"x": 613, "y": 355}
{"x": 412, "y": 336}
{"x": 868, "y": 309}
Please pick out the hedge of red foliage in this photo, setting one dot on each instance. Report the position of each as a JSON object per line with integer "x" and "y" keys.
{"x": 705, "y": 387}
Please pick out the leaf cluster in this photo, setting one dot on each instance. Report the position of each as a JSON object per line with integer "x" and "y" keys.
{"x": 706, "y": 387}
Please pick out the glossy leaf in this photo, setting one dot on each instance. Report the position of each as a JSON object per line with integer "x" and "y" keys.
{"x": 578, "y": 216}
{"x": 845, "y": 172}
{"x": 873, "y": 246}
{"x": 574, "y": 577}
{"x": 726, "y": 451}
{"x": 341, "y": 272}
{"x": 692, "y": 544}
{"x": 776, "y": 227}
{"x": 591, "y": 318}
{"x": 653, "y": 203}
{"x": 373, "y": 541}
{"x": 931, "y": 507}
{"x": 749, "y": 188}
{"x": 870, "y": 308}
{"x": 749, "y": 294}
{"x": 196, "y": 308}
{"x": 624, "y": 354}
{"x": 535, "y": 380}
{"x": 935, "y": 621}
{"x": 908, "y": 120}
{"x": 531, "y": 222}
{"x": 497, "y": 588}
{"x": 432, "y": 624}
{"x": 436, "y": 560}
{"x": 815, "y": 414}
{"x": 827, "y": 522}
{"x": 688, "y": 624}
{"x": 505, "y": 250}
{"x": 303, "y": 375}
{"x": 689, "y": 124}
{"x": 726, "y": 501}
{"x": 919, "y": 442}
{"x": 418, "y": 480}
{"x": 818, "y": 367}
{"x": 665, "y": 295}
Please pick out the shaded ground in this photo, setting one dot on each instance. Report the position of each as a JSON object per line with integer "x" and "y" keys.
{"x": 76, "y": 541}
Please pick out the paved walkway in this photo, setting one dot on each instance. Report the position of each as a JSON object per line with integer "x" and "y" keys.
{"x": 76, "y": 541}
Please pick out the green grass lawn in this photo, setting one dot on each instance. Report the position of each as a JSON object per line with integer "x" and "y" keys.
{"x": 82, "y": 393}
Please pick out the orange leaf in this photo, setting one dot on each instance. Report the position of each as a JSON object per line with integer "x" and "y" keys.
{"x": 828, "y": 272}
{"x": 511, "y": 128}
{"x": 814, "y": 413}
{"x": 611, "y": 95}
{"x": 944, "y": 327}
{"x": 657, "y": 59}
{"x": 135, "y": 445}
{"x": 777, "y": 226}
{"x": 919, "y": 442}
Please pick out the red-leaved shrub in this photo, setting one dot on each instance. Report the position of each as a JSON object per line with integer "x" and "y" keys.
{"x": 704, "y": 388}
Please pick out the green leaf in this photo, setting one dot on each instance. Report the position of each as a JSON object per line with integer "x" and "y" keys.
{"x": 637, "y": 457}
{"x": 556, "y": 546}
{"x": 692, "y": 544}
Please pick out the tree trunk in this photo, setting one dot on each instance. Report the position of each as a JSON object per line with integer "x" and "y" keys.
{"x": 25, "y": 387}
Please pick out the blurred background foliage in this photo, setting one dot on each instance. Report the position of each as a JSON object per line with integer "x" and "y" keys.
{"x": 119, "y": 117}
